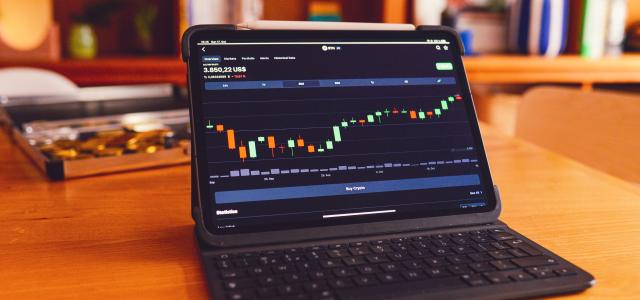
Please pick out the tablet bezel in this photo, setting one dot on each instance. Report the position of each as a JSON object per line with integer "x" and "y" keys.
{"x": 203, "y": 210}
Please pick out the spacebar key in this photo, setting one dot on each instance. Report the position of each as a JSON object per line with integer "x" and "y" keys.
{"x": 399, "y": 290}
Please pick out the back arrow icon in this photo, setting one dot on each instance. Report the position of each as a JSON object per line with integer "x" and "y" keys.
{"x": 202, "y": 49}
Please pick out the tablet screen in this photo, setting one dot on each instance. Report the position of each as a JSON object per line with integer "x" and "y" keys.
{"x": 312, "y": 129}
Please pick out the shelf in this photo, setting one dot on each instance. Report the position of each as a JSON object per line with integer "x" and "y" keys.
{"x": 489, "y": 69}
{"x": 116, "y": 70}
{"x": 517, "y": 69}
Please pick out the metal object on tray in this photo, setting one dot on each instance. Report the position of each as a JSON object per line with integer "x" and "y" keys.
{"x": 101, "y": 130}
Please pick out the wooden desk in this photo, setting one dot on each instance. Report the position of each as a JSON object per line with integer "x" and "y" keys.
{"x": 130, "y": 235}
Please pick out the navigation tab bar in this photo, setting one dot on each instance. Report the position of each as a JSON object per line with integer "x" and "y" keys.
{"x": 327, "y": 83}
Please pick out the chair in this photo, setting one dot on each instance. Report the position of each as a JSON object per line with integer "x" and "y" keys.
{"x": 598, "y": 128}
{"x": 18, "y": 82}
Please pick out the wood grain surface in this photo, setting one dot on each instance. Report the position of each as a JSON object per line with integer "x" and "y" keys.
{"x": 130, "y": 235}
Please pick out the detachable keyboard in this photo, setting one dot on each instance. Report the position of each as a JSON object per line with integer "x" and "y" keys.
{"x": 389, "y": 267}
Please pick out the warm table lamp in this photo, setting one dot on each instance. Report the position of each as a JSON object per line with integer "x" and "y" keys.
{"x": 27, "y": 31}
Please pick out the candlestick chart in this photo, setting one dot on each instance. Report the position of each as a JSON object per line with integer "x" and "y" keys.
{"x": 247, "y": 144}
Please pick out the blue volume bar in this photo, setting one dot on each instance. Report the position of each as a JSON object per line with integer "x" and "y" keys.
{"x": 351, "y": 188}
{"x": 326, "y": 83}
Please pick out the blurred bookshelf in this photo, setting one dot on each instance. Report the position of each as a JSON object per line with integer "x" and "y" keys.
{"x": 119, "y": 62}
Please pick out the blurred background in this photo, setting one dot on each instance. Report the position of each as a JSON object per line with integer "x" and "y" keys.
{"x": 514, "y": 49}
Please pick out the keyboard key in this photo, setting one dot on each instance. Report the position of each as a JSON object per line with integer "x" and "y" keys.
{"x": 413, "y": 264}
{"x": 420, "y": 254}
{"x": 338, "y": 246}
{"x": 436, "y": 261}
{"x": 534, "y": 261}
{"x": 413, "y": 275}
{"x": 520, "y": 276}
{"x": 441, "y": 243}
{"x": 320, "y": 274}
{"x": 289, "y": 289}
{"x": 541, "y": 272}
{"x": 242, "y": 263}
{"x": 500, "y": 246}
{"x": 377, "y": 258}
{"x": 258, "y": 271}
{"x": 502, "y": 236}
{"x": 294, "y": 277}
{"x": 344, "y": 272}
{"x": 354, "y": 261}
{"x": 482, "y": 267}
{"x": 363, "y": 250}
{"x": 269, "y": 260}
{"x": 306, "y": 266}
{"x": 365, "y": 280}
{"x": 240, "y": 295}
{"x": 378, "y": 242}
{"x": 517, "y": 252}
{"x": 461, "y": 240}
{"x": 225, "y": 264}
{"x": 424, "y": 245}
{"x": 323, "y": 295}
{"x": 368, "y": 269}
{"x": 339, "y": 283}
{"x": 390, "y": 267}
{"x": 267, "y": 292}
{"x": 389, "y": 277}
{"x": 297, "y": 297}
{"x": 463, "y": 249}
{"x": 530, "y": 250}
{"x": 401, "y": 247}
{"x": 482, "y": 247}
{"x": 440, "y": 251}
{"x": 227, "y": 274}
{"x": 459, "y": 234}
{"x": 238, "y": 284}
{"x": 379, "y": 249}
{"x": 224, "y": 256}
{"x": 458, "y": 259}
{"x": 338, "y": 253}
{"x": 500, "y": 254}
{"x": 315, "y": 255}
{"x": 481, "y": 239}
{"x": 419, "y": 238}
{"x": 314, "y": 286}
{"x": 496, "y": 277}
{"x": 269, "y": 280}
{"x": 292, "y": 258}
{"x": 515, "y": 243}
{"x": 272, "y": 252}
{"x": 503, "y": 265}
{"x": 398, "y": 256}
{"x": 331, "y": 263}
{"x": 282, "y": 268}
{"x": 474, "y": 279}
{"x": 479, "y": 257}
{"x": 565, "y": 272}
{"x": 399, "y": 240}
{"x": 459, "y": 270}
{"x": 315, "y": 248}
{"x": 436, "y": 272}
